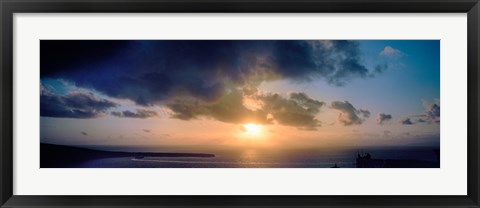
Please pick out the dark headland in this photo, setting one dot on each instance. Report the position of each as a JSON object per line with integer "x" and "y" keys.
{"x": 60, "y": 156}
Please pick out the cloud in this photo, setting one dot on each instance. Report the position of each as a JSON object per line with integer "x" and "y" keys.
{"x": 430, "y": 115}
{"x": 335, "y": 61}
{"x": 210, "y": 78}
{"x": 157, "y": 72}
{"x": 382, "y": 117}
{"x": 298, "y": 110}
{"x": 73, "y": 105}
{"x": 243, "y": 128}
{"x": 349, "y": 115}
{"x": 406, "y": 121}
{"x": 421, "y": 120}
{"x": 229, "y": 109}
{"x": 365, "y": 113}
{"x": 84, "y": 133}
{"x": 432, "y": 111}
{"x": 379, "y": 69}
{"x": 391, "y": 52}
{"x": 141, "y": 113}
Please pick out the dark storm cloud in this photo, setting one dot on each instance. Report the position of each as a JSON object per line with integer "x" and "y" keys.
{"x": 59, "y": 55}
{"x": 349, "y": 115}
{"x": 335, "y": 61}
{"x": 406, "y": 121}
{"x": 73, "y": 105}
{"x": 139, "y": 114}
{"x": 153, "y": 72}
{"x": 382, "y": 117}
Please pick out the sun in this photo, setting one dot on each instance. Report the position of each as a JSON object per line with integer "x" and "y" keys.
{"x": 252, "y": 129}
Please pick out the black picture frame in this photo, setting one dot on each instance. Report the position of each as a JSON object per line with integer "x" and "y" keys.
{"x": 9, "y": 7}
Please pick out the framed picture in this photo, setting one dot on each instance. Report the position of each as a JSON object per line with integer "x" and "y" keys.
{"x": 239, "y": 103}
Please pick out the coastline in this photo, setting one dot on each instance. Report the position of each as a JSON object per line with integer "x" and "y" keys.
{"x": 61, "y": 156}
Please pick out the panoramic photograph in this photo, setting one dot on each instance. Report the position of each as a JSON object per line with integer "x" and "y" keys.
{"x": 239, "y": 104}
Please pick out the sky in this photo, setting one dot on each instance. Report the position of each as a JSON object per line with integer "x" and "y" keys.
{"x": 240, "y": 93}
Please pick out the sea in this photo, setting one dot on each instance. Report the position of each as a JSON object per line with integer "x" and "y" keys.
{"x": 262, "y": 158}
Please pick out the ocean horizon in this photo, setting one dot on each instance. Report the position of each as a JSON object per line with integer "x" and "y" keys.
{"x": 253, "y": 158}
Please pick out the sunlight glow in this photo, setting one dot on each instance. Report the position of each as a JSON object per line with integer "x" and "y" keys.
{"x": 252, "y": 129}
